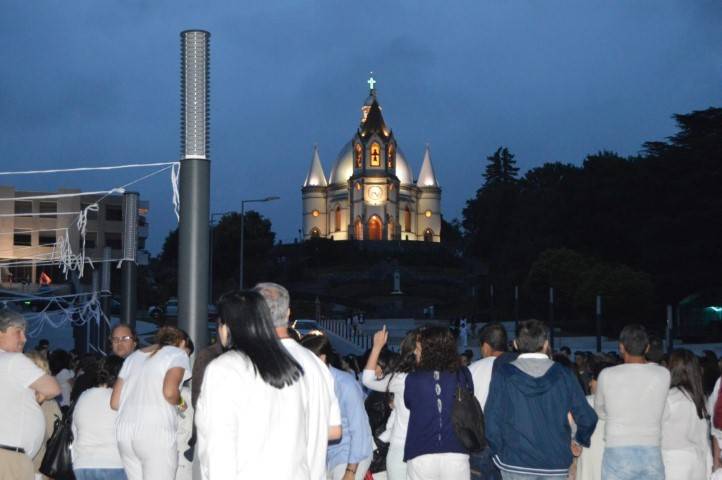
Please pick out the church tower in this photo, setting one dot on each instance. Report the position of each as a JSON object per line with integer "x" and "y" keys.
{"x": 371, "y": 193}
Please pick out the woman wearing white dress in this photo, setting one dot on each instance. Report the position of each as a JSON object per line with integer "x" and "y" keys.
{"x": 251, "y": 413}
{"x": 686, "y": 449}
{"x": 95, "y": 448}
{"x": 393, "y": 381}
{"x": 147, "y": 397}
{"x": 589, "y": 464}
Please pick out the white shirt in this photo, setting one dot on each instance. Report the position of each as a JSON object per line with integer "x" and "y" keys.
{"x": 395, "y": 385}
{"x": 631, "y": 398}
{"x": 710, "y": 409}
{"x": 248, "y": 429}
{"x": 323, "y": 408}
{"x": 95, "y": 444}
{"x": 141, "y": 398}
{"x": 481, "y": 374}
{"x": 684, "y": 431}
{"x": 21, "y": 420}
{"x": 63, "y": 377}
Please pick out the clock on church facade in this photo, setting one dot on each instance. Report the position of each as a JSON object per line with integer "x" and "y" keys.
{"x": 371, "y": 193}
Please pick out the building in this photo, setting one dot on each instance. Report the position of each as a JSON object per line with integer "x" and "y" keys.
{"x": 30, "y": 230}
{"x": 371, "y": 193}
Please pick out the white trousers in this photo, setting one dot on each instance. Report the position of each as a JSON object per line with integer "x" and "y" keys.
{"x": 338, "y": 471}
{"x": 439, "y": 466}
{"x": 395, "y": 465}
{"x": 147, "y": 454}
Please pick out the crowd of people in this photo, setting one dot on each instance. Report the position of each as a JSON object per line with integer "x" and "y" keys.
{"x": 263, "y": 402}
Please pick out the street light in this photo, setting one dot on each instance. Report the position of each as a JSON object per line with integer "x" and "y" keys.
{"x": 243, "y": 217}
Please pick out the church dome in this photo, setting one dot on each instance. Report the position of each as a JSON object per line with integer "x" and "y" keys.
{"x": 343, "y": 167}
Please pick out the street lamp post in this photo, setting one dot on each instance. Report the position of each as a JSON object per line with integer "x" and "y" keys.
{"x": 243, "y": 217}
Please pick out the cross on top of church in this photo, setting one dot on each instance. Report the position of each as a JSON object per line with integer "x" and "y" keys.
{"x": 371, "y": 82}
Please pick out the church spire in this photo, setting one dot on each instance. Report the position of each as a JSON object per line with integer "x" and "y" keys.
{"x": 315, "y": 177}
{"x": 427, "y": 177}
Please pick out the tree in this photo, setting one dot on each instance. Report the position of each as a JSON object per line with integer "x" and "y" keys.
{"x": 501, "y": 168}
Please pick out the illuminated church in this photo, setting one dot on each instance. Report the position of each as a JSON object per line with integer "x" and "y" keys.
{"x": 371, "y": 193}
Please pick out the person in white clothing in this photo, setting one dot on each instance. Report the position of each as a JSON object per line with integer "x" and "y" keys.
{"x": 589, "y": 465}
{"x": 323, "y": 421}
{"x": 631, "y": 399}
{"x": 22, "y": 386}
{"x": 95, "y": 448}
{"x": 252, "y": 410}
{"x": 394, "y": 381}
{"x": 61, "y": 366}
{"x": 686, "y": 450}
{"x": 147, "y": 397}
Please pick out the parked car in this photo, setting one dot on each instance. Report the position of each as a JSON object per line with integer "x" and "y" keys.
{"x": 305, "y": 326}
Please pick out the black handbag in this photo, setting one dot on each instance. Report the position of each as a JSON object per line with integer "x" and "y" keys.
{"x": 467, "y": 416}
{"x": 57, "y": 462}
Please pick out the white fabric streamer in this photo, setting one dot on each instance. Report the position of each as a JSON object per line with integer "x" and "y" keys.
{"x": 88, "y": 169}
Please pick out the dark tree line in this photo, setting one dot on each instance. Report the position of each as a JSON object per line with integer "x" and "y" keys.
{"x": 654, "y": 216}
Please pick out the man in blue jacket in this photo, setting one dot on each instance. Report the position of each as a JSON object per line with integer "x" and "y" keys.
{"x": 528, "y": 411}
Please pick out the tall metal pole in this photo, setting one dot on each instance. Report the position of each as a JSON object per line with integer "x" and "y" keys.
{"x": 491, "y": 303}
{"x": 210, "y": 260}
{"x": 551, "y": 318}
{"x": 194, "y": 187}
{"x": 516, "y": 307}
{"x": 670, "y": 326}
{"x": 599, "y": 323}
{"x": 243, "y": 218}
{"x": 106, "y": 303}
{"x": 129, "y": 269}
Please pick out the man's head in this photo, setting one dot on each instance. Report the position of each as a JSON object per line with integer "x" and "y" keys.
{"x": 655, "y": 352}
{"x": 633, "y": 341}
{"x": 566, "y": 351}
{"x": 532, "y": 336}
{"x": 493, "y": 340}
{"x": 123, "y": 340}
{"x": 12, "y": 331}
{"x": 278, "y": 300}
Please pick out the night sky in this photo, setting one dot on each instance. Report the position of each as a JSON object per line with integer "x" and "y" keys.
{"x": 88, "y": 82}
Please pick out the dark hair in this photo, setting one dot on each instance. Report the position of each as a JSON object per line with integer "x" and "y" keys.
{"x": 108, "y": 370}
{"x": 598, "y": 365}
{"x": 566, "y": 351}
{"x": 438, "y": 350}
{"x": 687, "y": 377}
{"x": 59, "y": 360}
{"x": 190, "y": 346}
{"x": 169, "y": 337}
{"x": 494, "y": 334}
{"x": 321, "y": 345}
{"x": 131, "y": 329}
{"x": 656, "y": 349}
{"x": 531, "y": 336}
{"x": 635, "y": 340}
{"x": 386, "y": 360}
{"x": 405, "y": 362}
{"x": 293, "y": 333}
{"x": 252, "y": 333}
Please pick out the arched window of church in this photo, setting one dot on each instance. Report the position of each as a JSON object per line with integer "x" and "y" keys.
{"x": 337, "y": 219}
{"x": 428, "y": 235}
{"x": 315, "y": 232}
{"x": 358, "y": 152}
{"x": 407, "y": 219}
{"x": 375, "y": 159}
{"x": 390, "y": 152}
{"x": 358, "y": 230}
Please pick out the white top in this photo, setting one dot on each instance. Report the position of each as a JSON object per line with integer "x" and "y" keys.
{"x": 21, "y": 420}
{"x": 481, "y": 374}
{"x": 395, "y": 385}
{"x": 323, "y": 408}
{"x": 589, "y": 465}
{"x": 247, "y": 428}
{"x": 95, "y": 444}
{"x": 141, "y": 398}
{"x": 682, "y": 429}
{"x": 631, "y": 398}
{"x": 63, "y": 377}
{"x": 710, "y": 409}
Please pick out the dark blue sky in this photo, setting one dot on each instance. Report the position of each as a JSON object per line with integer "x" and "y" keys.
{"x": 87, "y": 82}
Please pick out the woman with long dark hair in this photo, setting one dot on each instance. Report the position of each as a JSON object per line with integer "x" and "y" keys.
{"x": 686, "y": 448}
{"x": 433, "y": 451}
{"x": 393, "y": 380}
{"x": 350, "y": 457}
{"x": 147, "y": 397}
{"x": 251, "y": 411}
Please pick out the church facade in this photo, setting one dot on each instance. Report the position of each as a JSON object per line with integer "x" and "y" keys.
{"x": 371, "y": 193}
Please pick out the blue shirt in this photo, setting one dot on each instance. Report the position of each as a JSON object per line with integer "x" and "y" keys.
{"x": 355, "y": 444}
{"x": 429, "y": 396}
